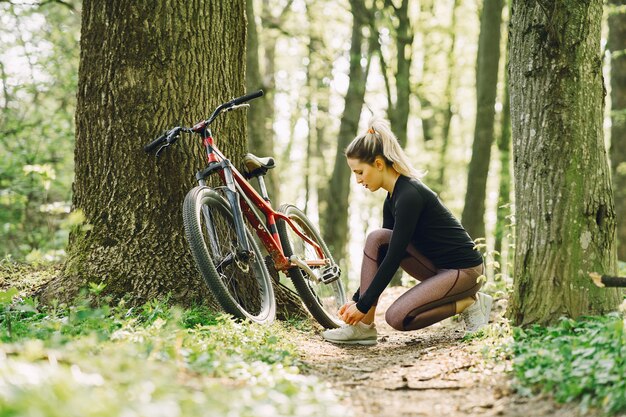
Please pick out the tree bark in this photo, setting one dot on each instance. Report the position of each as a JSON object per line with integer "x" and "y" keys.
{"x": 565, "y": 218}
{"x": 473, "y": 217}
{"x": 617, "y": 46}
{"x": 145, "y": 67}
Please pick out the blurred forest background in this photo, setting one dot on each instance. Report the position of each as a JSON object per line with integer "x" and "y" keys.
{"x": 326, "y": 66}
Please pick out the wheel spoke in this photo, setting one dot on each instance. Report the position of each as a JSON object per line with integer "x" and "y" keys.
{"x": 225, "y": 262}
{"x": 323, "y": 300}
{"x": 210, "y": 231}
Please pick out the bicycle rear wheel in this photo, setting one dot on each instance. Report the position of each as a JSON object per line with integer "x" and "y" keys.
{"x": 322, "y": 300}
{"x": 242, "y": 287}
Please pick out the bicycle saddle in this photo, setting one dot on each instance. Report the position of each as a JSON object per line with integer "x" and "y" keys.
{"x": 255, "y": 166}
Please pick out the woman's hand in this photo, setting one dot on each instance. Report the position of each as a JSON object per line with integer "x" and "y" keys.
{"x": 344, "y": 307}
{"x": 350, "y": 314}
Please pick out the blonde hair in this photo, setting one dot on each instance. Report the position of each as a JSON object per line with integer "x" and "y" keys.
{"x": 379, "y": 141}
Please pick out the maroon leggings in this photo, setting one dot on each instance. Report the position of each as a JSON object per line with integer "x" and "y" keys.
{"x": 429, "y": 302}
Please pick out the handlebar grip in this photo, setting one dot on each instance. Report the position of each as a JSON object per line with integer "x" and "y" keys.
{"x": 247, "y": 97}
{"x": 155, "y": 143}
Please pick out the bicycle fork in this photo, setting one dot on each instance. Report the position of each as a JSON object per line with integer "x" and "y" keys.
{"x": 243, "y": 251}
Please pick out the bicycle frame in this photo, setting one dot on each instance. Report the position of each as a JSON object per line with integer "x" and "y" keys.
{"x": 267, "y": 231}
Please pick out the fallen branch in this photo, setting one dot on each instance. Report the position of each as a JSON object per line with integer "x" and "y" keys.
{"x": 607, "y": 281}
{"x": 407, "y": 387}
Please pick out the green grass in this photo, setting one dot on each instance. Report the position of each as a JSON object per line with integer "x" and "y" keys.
{"x": 577, "y": 360}
{"x": 92, "y": 359}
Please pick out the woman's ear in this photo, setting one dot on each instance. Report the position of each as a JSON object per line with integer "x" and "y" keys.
{"x": 379, "y": 163}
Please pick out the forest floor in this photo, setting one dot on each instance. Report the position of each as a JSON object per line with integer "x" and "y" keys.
{"x": 430, "y": 372}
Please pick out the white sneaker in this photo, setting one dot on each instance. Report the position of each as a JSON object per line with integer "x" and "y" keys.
{"x": 477, "y": 315}
{"x": 359, "y": 334}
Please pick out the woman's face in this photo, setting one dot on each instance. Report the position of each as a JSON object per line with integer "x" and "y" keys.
{"x": 369, "y": 176}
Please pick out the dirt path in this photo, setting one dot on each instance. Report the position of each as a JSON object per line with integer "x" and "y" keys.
{"x": 430, "y": 372}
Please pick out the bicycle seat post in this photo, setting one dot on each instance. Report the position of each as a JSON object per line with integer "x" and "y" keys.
{"x": 264, "y": 193}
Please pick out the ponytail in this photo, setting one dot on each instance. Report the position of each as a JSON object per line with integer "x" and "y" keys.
{"x": 379, "y": 141}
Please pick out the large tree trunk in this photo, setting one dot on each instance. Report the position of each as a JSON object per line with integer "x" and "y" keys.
{"x": 565, "y": 221}
{"x": 617, "y": 46}
{"x": 473, "y": 217}
{"x": 147, "y": 66}
{"x": 335, "y": 213}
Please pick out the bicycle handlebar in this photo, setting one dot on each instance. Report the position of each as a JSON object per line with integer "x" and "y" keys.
{"x": 246, "y": 97}
{"x": 225, "y": 106}
{"x": 170, "y": 136}
{"x": 155, "y": 143}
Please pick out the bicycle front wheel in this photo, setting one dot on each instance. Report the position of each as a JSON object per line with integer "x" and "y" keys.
{"x": 322, "y": 300}
{"x": 241, "y": 286}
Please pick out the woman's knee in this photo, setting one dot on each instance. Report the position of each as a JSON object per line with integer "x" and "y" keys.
{"x": 377, "y": 238}
{"x": 395, "y": 319}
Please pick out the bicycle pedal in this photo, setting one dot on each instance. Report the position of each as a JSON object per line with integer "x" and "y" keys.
{"x": 330, "y": 274}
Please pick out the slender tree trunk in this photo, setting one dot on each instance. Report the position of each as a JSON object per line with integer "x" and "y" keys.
{"x": 145, "y": 67}
{"x": 565, "y": 219}
{"x": 473, "y": 217}
{"x": 449, "y": 97}
{"x": 617, "y": 46}
{"x": 335, "y": 218}
{"x": 309, "y": 185}
{"x": 503, "y": 209}
{"x": 260, "y": 136}
{"x": 399, "y": 117}
{"x": 427, "y": 110}
{"x": 504, "y": 190}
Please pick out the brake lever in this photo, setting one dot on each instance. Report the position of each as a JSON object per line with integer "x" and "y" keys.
{"x": 236, "y": 107}
{"x": 161, "y": 148}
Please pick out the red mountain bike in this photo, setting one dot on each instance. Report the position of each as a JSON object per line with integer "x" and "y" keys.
{"x": 218, "y": 223}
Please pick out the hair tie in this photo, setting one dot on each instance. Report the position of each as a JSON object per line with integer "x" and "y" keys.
{"x": 371, "y": 130}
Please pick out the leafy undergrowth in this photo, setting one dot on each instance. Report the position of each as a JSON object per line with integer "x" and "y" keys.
{"x": 92, "y": 359}
{"x": 576, "y": 360}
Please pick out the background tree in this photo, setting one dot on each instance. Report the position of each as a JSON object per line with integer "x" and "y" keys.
{"x": 260, "y": 133}
{"x": 617, "y": 46}
{"x": 335, "y": 221}
{"x": 448, "y": 100}
{"x": 145, "y": 67}
{"x": 486, "y": 88}
{"x": 565, "y": 219}
{"x": 398, "y": 103}
{"x": 504, "y": 207}
{"x": 504, "y": 182}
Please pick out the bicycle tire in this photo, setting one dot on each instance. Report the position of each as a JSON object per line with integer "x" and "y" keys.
{"x": 322, "y": 300}
{"x": 240, "y": 292}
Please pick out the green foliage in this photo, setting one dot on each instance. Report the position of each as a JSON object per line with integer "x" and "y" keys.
{"x": 498, "y": 267}
{"x": 38, "y": 79}
{"x": 582, "y": 360}
{"x": 99, "y": 360}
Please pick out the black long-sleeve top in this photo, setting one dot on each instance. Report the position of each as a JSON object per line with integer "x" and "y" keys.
{"x": 416, "y": 216}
